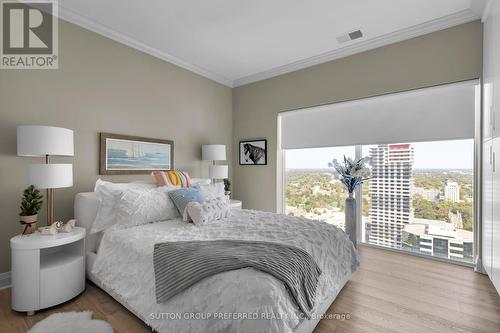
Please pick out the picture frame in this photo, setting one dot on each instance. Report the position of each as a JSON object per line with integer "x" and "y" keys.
{"x": 253, "y": 152}
{"x": 125, "y": 154}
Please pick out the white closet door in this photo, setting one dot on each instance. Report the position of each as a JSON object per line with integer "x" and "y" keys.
{"x": 495, "y": 267}
{"x": 488, "y": 111}
{"x": 489, "y": 59}
{"x": 493, "y": 70}
{"x": 487, "y": 205}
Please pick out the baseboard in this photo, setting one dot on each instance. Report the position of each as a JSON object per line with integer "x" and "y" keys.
{"x": 5, "y": 280}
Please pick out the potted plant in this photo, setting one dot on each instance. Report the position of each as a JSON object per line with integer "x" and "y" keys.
{"x": 227, "y": 186}
{"x": 352, "y": 174}
{"x": 30, "y": 205}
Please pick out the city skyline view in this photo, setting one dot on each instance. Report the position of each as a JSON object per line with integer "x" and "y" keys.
{"x": 419, "y": 197}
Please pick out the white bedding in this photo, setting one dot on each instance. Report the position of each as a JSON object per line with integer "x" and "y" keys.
{"x": 124, "y": 266}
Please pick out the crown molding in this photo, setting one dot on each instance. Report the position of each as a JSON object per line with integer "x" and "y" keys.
{"x": 455, "y": 19}
{"x": 361, "y": 46}
{"x": 89, "y": 24}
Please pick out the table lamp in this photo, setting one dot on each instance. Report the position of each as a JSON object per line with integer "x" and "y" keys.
{"x": 215, "y": 153}
{"x": 47, "y": 141}
{"x": 218, "y": 171}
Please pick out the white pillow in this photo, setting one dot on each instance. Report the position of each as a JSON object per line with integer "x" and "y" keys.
{"x": 200, "y": 181}
{"x": 143, "y": 205}
{"x": 107, "y": 195}
{"x": 212, "y": 191}
{"x": 208, "y": 211}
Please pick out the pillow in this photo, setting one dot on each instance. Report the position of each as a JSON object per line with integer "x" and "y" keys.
{"x": 200, "y": 181}
{"x": 144, "y": 205}
{"x": 172, "y": 178}
{"x": 208, "y": 211}
{"x": 212, "y": 191}
{"x": 181, "y": 197}
{"x": 107, "y": 195}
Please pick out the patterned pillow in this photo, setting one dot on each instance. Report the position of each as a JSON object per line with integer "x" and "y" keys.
{"x": 172, "y": 178}
{"x": 212, "y": 191}
{"x": 208, "y": 211}
{"x": 181, "y": 197}
{"x": 108, "y": 195}
{"x": 141, "y": 206}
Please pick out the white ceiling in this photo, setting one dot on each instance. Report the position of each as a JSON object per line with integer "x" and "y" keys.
{"x": 235, "y": 42}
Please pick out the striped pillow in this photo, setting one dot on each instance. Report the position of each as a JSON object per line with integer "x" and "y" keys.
{"x": 172, "y": 178}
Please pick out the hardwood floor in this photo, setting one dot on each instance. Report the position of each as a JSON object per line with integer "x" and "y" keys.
{"x": 390, "y": 292}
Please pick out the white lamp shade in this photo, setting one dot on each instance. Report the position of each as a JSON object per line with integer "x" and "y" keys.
{"x": 50, "y": 175}
{"x": 44, "y": 140}
{"x": 213, "y": 152}
{"x": 218, "y": 171}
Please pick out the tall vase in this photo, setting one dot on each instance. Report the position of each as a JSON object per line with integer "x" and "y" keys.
{"x": 350, "y": 219}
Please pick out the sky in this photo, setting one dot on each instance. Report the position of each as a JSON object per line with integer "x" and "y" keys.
{"x": 456, "y": 154}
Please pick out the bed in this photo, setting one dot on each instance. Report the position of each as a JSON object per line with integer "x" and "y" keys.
{"x": 245, "y": 300}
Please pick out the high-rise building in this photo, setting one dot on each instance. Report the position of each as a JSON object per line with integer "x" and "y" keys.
{"x": 390, "y": 193}
{"x": 438, "y": 238}
{"x": 452, "y": 191}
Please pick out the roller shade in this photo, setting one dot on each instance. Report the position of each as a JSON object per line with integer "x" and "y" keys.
{"x": 443, "y": 112}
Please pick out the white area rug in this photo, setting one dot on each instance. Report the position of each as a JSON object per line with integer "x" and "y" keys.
{"x": 71, "y": 322}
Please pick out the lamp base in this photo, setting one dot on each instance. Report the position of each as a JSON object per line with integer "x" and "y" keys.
{"x": 50, "y": 206}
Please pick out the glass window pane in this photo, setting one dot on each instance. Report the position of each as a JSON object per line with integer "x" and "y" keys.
{"x": 420, "y": 198}
{"x": 312, "y": 189}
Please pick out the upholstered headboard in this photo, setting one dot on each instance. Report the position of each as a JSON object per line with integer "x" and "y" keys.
{"x": 85, "y": 213}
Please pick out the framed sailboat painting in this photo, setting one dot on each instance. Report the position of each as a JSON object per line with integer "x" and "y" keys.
{"x": 125, "y": 154}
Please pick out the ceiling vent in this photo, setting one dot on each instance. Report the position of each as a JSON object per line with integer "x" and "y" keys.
{"x": 349, "y": 36}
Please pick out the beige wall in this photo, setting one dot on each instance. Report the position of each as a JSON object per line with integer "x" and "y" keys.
{"x": 102, "y": 85}
{"x": 445, "y": 56}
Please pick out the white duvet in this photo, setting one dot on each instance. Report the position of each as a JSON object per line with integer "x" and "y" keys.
{"x": 244, "y": 300}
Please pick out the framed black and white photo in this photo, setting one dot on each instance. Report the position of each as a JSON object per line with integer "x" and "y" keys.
{"x": 253, "y": 152}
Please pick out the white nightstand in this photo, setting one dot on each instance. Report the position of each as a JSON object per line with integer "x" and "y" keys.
{"x": 47, "y": 270}
{"x": 235, "y": 204}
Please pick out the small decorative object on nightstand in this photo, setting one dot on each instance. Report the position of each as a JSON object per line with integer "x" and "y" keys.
{"x": 68, "y": 226}
{"x": 30, "y": 205}
{"x": 227, "y": 186}
{"x": 47, "y": 270}
{"x": 235, "y": 204}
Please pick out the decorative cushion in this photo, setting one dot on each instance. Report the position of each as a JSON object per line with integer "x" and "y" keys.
{"x": 141, "y": 206}
{"x": 212, "y": 191}
{"x": 200, "y": 181}
{"x": 107, "y": 195}
{"x": 172, "y": 178}
{"x": 208, "y": 211}
{"x": 181, "y": 197}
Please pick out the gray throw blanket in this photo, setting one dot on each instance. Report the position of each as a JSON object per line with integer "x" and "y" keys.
{"x": 180, "y": 265}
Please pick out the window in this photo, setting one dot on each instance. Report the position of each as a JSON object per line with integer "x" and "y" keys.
{"x": 421, "y": 194}
{"x": 312, "y": 189}
{"x": 440, "y": 247}
{"x": 419, "y": 197}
